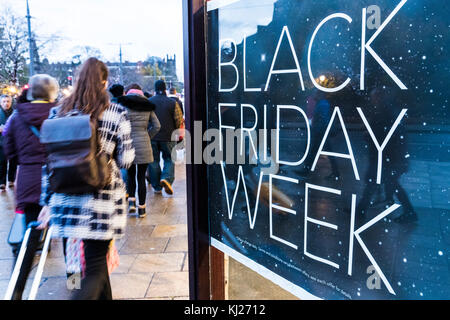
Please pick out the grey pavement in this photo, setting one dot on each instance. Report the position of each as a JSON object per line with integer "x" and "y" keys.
{"x": 153, "y": 253}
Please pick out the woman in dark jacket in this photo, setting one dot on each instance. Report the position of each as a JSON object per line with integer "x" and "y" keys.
{"x": 22, "y": 142}
{"x": 144, "y": 126}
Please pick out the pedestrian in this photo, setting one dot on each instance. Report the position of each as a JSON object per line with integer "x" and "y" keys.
{"x": 173, "y": 95}
{"x": 395, "y": 158}
{"x": 7, "y": 167}
{"x": 144, "y": 126}
{"x": 116, "y": 91}
{"x": 320, "y": 107}
{"x": 22, "y": 143}
{"x": 171, "y": 118}
{"x": 96, "y": 217}
{"x": 22, "y": 98}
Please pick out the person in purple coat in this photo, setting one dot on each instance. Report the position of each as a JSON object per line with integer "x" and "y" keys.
{"x": 21, "y": 142}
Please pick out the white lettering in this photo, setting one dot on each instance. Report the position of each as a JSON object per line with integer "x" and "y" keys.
{"x": 273, "y": 206}
{"x": 357, "y": 233}
{"x": 229, "y": 63}
{"x": 335, "y": 154}
{"x": 240, "y": 177}
{"x": 366, "y": 46}
{"x": 278, "y": 136}
{"x": 319, "y": 222}
{"x": 245, "y": 70}
{"x": 386, "y": 140}
{"x": 219, "y": 109}
{"x": 318, "y": 86}
{"x": 294, "y": 54}
{"x": 248, "y": 130}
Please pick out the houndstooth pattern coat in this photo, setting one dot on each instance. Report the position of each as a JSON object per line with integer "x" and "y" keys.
{"x": 101, "y": 215}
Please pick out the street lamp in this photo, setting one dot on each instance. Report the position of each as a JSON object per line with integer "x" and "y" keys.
{"x": 120, "y": 59}
{"x": 12, "y": 90}
{"x": 66, "y": 92}
{"x": 30, "y": 41}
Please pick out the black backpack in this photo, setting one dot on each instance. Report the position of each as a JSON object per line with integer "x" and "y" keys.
{"x": 76, "y": 163}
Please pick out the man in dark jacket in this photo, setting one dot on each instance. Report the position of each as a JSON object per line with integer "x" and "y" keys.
{"x": 171, "y": 118}
{"x": 7, "y": 168}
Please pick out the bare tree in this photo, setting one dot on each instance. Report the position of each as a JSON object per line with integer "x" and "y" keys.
{"x": 13, "y": 47}
{"x": 82, "y": 53}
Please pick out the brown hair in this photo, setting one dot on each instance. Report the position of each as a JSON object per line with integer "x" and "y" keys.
{"x": 132, "y": 86}
{"x": 89, "y": 93}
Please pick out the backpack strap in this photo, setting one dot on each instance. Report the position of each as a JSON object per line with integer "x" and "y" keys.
{"x": 33, "y": 129}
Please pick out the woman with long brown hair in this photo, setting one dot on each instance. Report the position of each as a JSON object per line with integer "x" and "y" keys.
{"x": 99, "y": 217}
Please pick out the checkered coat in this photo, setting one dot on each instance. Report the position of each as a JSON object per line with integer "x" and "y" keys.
{"x": 102, "y": 215}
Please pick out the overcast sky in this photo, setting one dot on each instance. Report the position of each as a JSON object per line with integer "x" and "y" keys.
{"x": 144, "y": 27}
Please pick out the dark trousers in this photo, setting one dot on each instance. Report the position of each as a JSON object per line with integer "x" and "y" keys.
{"x": 95, "y": 285}
{"x": 163, "y": 148}
{"x": 31, "y": 214}
{"x": 7, "y": 168}
{"x": 393, "y": 187}
{"x": 137, "y": 172}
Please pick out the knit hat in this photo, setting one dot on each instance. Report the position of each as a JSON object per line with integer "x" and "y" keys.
{"x": 160, "y": 85}
{"x": 116, "y": 90}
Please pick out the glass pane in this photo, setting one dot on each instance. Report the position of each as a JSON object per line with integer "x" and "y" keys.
{"x": 331, "y": 174}
{"x": 255, "y": 287}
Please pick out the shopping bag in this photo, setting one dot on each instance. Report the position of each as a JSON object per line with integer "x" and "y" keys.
{"x": 19, "y": 261}
{"x": 75, "y": 261}
{"x": 17, "y": 230}
{"x": 181, "y": 132}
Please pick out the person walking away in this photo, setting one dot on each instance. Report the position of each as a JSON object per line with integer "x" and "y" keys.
{"x": 173, "y": 95}
{"x": 144, "y": 126}
{"x": 147, "y": 94}
{"x": 320, "y": 108}
{"x": 8, "y": 168}
{"x": 22, "y": 143}
{"x": 99, "y": 216}
{"x": 171, "y": 118}
{"x": 116, "y": 91}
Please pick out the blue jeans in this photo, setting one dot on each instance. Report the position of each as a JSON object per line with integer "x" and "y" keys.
{"x": 124, "y": 173}
{"x": 163, "y": 148}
